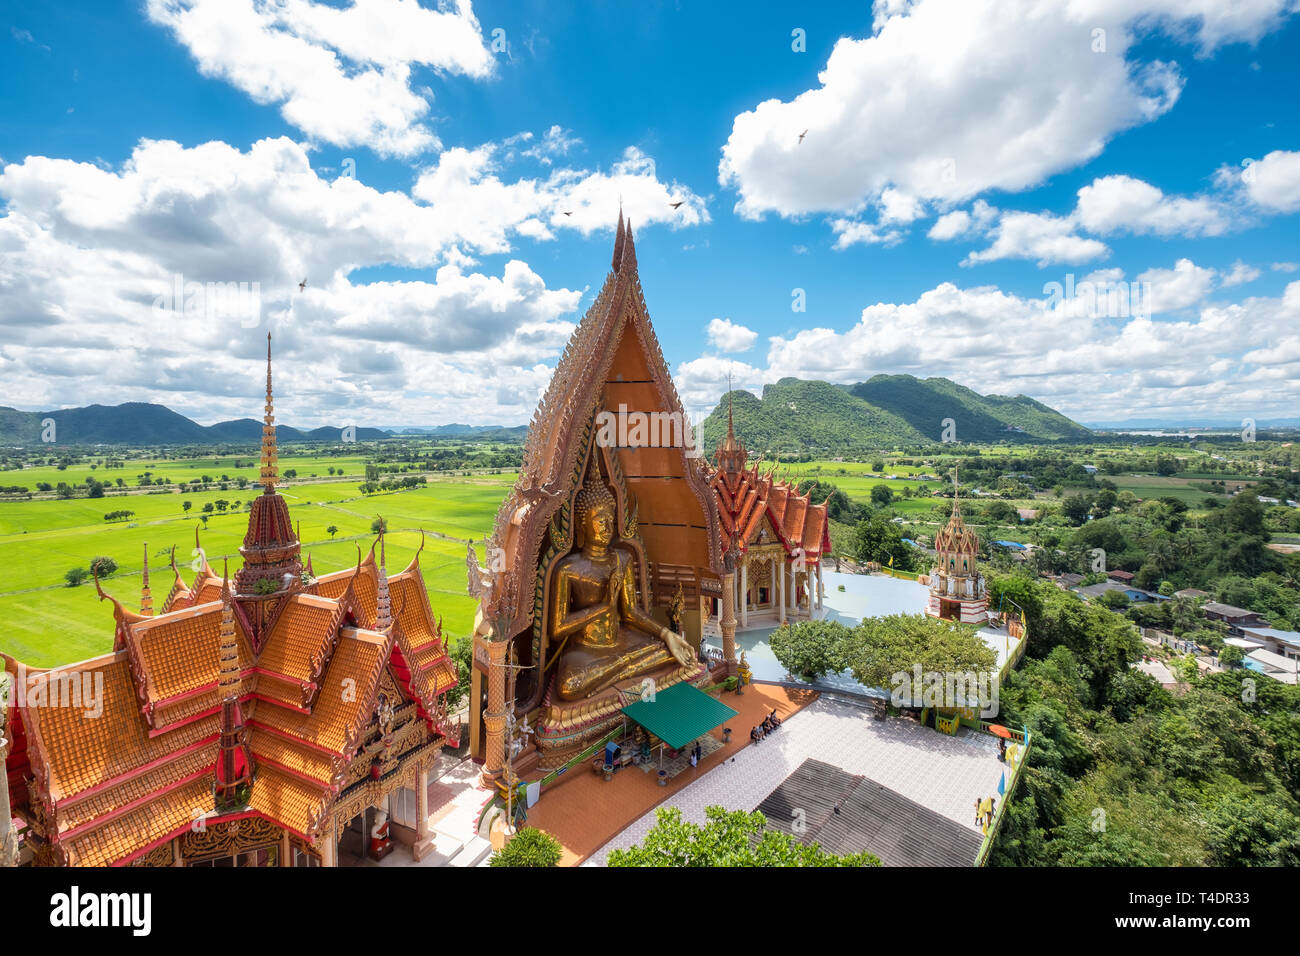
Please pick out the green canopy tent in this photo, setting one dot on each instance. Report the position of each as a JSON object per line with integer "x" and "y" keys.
{"x": 679, "y": 714}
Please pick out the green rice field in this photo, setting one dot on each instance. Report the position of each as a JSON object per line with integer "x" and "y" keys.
{"x": 49, "y": 623}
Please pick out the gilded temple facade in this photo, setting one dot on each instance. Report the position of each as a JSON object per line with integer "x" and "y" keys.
{"x": 275, "y": 718}
{"x": 600, "y": 536}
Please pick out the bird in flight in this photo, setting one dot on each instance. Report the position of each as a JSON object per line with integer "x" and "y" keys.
{"x": 678, "y": 203}
{"x": 568, "y": 214}
{"x": 802, "y": 135}
{"x": 302, "y": 286}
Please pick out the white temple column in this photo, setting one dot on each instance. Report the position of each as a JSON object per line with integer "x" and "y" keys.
{"x": 779, "y": 574}
{"x": 744, "y": 592}
{"x": 423, "y": 837}
{"x": 329, "y": 840}
{"x": 821, "y": 589}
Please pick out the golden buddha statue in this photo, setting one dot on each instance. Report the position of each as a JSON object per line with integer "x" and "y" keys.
{"x": 600, "y": 633}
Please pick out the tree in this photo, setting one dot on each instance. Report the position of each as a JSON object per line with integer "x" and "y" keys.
{"x": 881, "y": 647}
{"x": 727, "y": 838}
{"x": 810, "y": 649}
{"x": 332, "y": 530}
{"x": 528, "y": 847}
{"x": 103, "y": 566}
{"x": 877, "y": 538}
{"x": 76, "y": 576}
{"x": 1246, "y": 830}
{"x": 1115, "y": 600}
{"x": 1075, "y": 509}
{"x": 378, "y": 526}
{"x": 187, "y": 505}
{"x": 881, "y": 496}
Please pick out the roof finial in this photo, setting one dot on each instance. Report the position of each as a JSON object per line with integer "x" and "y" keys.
{"x": 618, "y": 239}
{"x": 629, "y": 246}
{"x": 270, "y": 472}
{"x": 956, "y": 508}
{"x": 383, "y": 604}
{"x": 146, "y": 598}
{"x": 731, "y": 431}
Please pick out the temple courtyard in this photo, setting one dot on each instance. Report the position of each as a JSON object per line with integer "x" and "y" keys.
{"x": 943, "y": 774}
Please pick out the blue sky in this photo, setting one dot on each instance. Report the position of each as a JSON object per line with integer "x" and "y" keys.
{"x": 414, "y": 164}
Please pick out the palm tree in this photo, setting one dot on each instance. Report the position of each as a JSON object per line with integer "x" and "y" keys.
{"x": 332, "y": 530}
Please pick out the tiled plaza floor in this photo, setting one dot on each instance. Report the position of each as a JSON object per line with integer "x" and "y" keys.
{"x": 587, "y": 811}
{"x": 946, "y": 774}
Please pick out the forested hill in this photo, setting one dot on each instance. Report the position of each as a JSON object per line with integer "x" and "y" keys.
{"x": 139, "y": 423}
{"x": 796, "y": 416}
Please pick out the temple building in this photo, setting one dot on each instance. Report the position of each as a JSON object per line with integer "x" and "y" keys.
{"x": 605, "y": 555}
{"x": 778, "y": 537}
{"x": 957, "y": 590}
{"x": 274, "y": 718}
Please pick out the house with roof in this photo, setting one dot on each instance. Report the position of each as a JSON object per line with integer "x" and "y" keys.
{"x": 1272, "y": 665}
{"x": 1283, "y": 643}
{"x": 1235, "y": 617}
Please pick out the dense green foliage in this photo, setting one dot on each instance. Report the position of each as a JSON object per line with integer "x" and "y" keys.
{"x": 726, "y": 838}
{"x": 1123, "y": 773}
{"x": 529, "y": 847}
{"x": 880, "y": 647}
{"x": 810, "y": 649}
{"x": 878, "y": 538}
{"x": 884, "y": 646}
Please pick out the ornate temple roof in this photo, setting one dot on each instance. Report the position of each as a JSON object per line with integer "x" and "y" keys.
{"x": 955, "y": 537}
{"x": 107, "y": 787}
{"x": 612, "y": 360}
{"x": 745, "y": 497}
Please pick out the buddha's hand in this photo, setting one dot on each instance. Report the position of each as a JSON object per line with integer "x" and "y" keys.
{"x": 677, "y": 646}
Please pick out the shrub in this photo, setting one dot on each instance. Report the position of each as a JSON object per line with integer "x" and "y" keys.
{"x": 529, "y": 847}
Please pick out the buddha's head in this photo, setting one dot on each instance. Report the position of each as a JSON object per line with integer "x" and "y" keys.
{"x": 595, "y": 511}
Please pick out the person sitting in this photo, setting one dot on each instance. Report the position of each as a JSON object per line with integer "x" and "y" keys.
{"x": 767, "y": 725}
{"x": 756, "y": 735}
{"x": 776, "y": 721}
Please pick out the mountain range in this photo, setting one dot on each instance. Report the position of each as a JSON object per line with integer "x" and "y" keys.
{"x": 794, "y": 415}
{"x": 886, "y": 411}
{"x": 140, "y": 423}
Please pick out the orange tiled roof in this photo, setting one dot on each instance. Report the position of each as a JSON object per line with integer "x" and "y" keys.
{"x": 301, "y": 632}
{"x": 143, "y": 825}
{"x": 288, "y": 800}
{"x": 116, "y": 781}
{"x": 340, "y": 707}
{"x": 745, "y": 497}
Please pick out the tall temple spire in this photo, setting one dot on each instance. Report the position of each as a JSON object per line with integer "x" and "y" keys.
{"x": 233, "y": 769}
{"x": 618, "y": 241}
{"x": 383, "y": 604}
{"x": 731, "y": 455}
{"x": 956, "y": 489}
{"x": 270, "y": 471}
{"x": 731, "y": 424}
{"x": 146, "y": 597}
{"x": 271, "y": 552}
